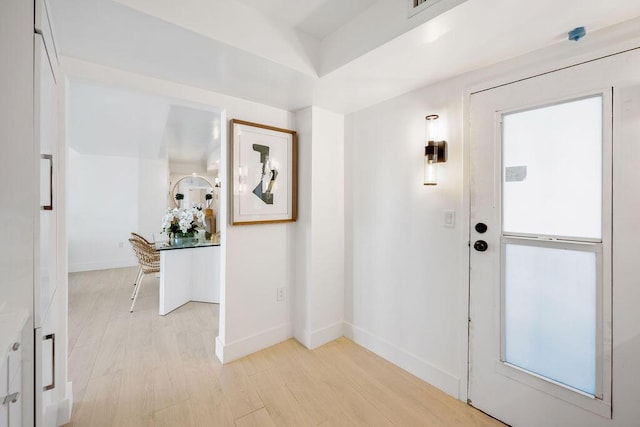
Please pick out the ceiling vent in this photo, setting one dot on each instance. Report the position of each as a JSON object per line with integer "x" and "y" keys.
{"x": 417, "y": 6}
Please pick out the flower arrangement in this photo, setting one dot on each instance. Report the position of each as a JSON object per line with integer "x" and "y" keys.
{"x": 182, "y": 222}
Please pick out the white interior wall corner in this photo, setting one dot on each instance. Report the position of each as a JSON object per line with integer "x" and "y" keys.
{"x": 300, "y": 290}
{"x": 403, "y": 279}
{"x": 327, "y": 239}
{"x": 319, "y": 307}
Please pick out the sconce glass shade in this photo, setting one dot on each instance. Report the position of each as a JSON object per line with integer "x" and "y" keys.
{"x": 434, "y": 152}
{"x": 430, "y": 130}
{"x": 430, "y": 165}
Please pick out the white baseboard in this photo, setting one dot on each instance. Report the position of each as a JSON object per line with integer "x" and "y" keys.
{"x": 102, "y": 265}
{"x": 219, "y": 349}
{"x": 422, "y": 369}
{"x": 65, "y": 406}
{"x": 303, "y": 338}
{"x": 324, "y": 335}
{"x": 245, "y": 346}
{"x": 50, "y": 416}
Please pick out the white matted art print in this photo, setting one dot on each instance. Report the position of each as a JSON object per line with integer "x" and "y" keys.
{"x": 264, "y": 161}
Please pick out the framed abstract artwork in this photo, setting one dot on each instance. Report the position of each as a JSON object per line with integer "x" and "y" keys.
{"x": 264, "y": 162}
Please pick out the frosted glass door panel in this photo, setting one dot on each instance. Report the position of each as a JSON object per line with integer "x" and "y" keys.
{"x": 550, "y": 313}
{"x": 552, "y": 159}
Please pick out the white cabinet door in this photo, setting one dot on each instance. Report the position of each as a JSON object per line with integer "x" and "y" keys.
{"x": 4, "y": 390}
{"x": 46, "y": 133}
{"x": 15, "y": 382}
{"x": 4, "y": 415}
{"x": 46, "y": 316}
{"x": 48, "y": 376}
{"x": 15, "y": 405}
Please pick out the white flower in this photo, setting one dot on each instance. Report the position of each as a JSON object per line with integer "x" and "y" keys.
{"x": 185, "y": 219}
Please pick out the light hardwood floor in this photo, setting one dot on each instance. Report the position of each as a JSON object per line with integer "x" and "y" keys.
{"x": 142, "y": 369}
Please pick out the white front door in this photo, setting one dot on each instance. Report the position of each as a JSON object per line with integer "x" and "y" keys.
{"x": 540, "y": 249}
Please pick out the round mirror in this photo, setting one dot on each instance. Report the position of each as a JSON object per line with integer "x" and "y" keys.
{"x": 192, "y": 190}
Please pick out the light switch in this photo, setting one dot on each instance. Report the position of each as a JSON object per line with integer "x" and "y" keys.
{"x": 450, "y": 219}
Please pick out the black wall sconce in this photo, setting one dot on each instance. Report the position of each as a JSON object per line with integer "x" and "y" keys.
{"x": 434, "y": 151}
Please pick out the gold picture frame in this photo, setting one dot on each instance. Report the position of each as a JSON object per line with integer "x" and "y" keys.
{"x": 264, "y": 173}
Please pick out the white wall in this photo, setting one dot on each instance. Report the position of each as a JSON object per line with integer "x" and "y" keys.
{"x": 152, "y": 191}
{"x": 319, "y": 291}
{"x": 187, "y": 168}
{"x": 109, "y": 197}
{"x": 102, "y": 210}
{"x": 626, "y": 231}
{"x": 300, "y": 293}
{"x": 259, "y": 260}
{"x": 406, "y": 283}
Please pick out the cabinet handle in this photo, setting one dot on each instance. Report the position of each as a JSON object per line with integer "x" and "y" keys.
{"x": 51, "y": 337}
{"x": 12, "y": 398}
{"x": 16, "y": 346}
{"x": 49, "y": 158}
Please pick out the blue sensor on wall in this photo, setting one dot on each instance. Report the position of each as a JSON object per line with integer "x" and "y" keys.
{"x": 577, "y": 33}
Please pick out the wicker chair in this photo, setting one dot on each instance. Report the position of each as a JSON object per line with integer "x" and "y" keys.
{"x": 141, "y": 239}
{"x": 149, "y": 260}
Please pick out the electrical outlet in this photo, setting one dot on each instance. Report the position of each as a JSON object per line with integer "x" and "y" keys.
{"x": 280, "y": 294}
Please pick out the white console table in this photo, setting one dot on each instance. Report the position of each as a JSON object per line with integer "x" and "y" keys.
{"x": 189, "y": 272}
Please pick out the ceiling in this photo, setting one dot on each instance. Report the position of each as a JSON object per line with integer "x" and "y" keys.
{"x": 106, "y": 121}
{"x": 318, "y": 18}
{"x": 191, "y": 134}
{"x": 343, "y": 55}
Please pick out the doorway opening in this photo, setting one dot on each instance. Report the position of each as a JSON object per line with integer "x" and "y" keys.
{"x": 129, "y": 154}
